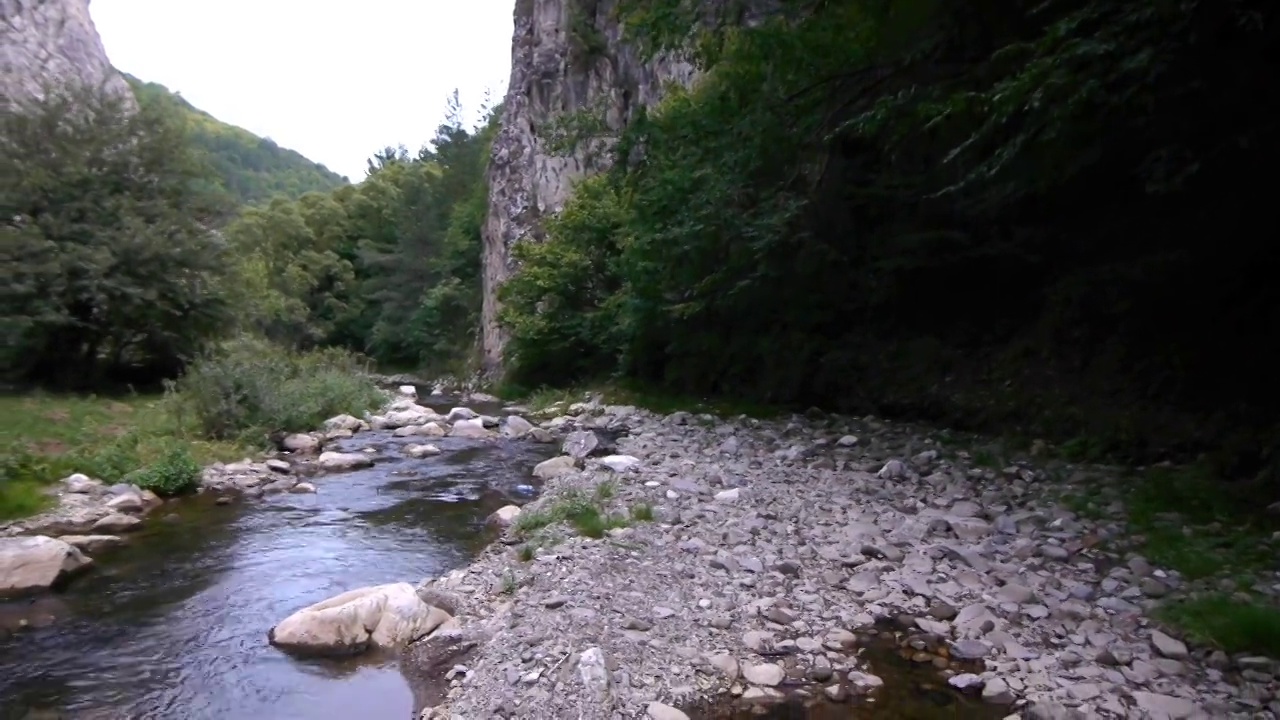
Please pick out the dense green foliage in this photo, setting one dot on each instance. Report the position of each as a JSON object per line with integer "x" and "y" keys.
{"x": 106, "y": 261}
{"x": 1033, "y": 218}
{"x": 113, "y": 271}
{"x": 389, "y": 268}
{"x": 249, "y": 169}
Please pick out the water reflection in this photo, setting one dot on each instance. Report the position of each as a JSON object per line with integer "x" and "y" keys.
{"x": 174, "y": 625}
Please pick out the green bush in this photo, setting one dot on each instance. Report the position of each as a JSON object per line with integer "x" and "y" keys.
{"x": 561, "y": 308}
{"x": 250, "y": 389}
{"x": 175, "y": 473}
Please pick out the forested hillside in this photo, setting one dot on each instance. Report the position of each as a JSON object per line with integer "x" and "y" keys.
{"x": 250, "y": 169}
{"x": 112, "y": 273}
{"x": 1036, "y": 219}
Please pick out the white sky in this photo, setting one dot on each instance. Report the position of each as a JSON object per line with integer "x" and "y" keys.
{"x": 335, "y": 81}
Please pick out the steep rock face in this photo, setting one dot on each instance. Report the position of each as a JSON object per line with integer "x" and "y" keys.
{"x": 566, "y": 55}
{"x": 51, "y": 41}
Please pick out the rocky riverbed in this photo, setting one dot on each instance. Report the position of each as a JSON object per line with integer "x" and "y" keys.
{"x": 741, "y": 563}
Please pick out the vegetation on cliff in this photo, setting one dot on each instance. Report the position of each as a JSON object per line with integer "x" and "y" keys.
{"x": 1030, "y": 218}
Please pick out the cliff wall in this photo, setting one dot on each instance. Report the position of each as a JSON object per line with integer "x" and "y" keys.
{"x": 51, "y": 41}
{"x": 566, "y": 55}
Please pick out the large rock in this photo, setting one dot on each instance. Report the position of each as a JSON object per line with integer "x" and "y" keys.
{"x": 345, "y": 422}
{"x": 336, "y": 461}
{"x": 580, "y": 444}
{"x": 300, "y": 443}
{"x": 415, "y": 415}
{"x": 34, "y": 564}
{"x": 469, "y": 429}
{"x": 379, "y": 616}
{"x": 516, "y": 427}
{"x": 555, "y": 467}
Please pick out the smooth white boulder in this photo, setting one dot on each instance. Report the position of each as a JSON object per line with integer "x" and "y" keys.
{"x": 37, "y": 563}
{"x": 344, "y": 461}
{"x": 469, "y": 429}
{"x": 421, "y": 451}
{"x": 379, "y": 616}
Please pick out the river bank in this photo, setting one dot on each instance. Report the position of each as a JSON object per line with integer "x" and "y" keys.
{"x": 747, "y": 561}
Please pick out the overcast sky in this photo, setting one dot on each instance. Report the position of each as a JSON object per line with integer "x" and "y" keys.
{"x": 335, "y": 81}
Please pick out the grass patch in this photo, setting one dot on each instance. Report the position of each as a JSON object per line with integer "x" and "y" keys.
{"x": 585, "y": 513}
{"x": 1227, "y": 623}
{"x": 1195, "y": 524}
{"x": 21, "y": 498}
{"x": 642, "y": 512}
{"x": 985, "y": 458}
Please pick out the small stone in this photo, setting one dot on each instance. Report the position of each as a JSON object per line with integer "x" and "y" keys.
{"x": 766, "y": 674}
{"x": 637, "y": 624}
{"x": 969, "y": 650}
{"x": 997, "y": 692}
{"x": 1168, "y": 646}
{"x": 555, "y": 602}
{"x": 1152, "y": 587}
{"x": 863, "y": 683}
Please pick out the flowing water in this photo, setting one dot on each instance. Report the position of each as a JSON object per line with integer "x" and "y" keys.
{"x": 174, "y": 626}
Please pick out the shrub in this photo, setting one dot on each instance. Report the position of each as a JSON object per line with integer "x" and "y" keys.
{"x": 562, "y": 307}
{"x": 175, "y": 473}
{"x": 249, "y": 387}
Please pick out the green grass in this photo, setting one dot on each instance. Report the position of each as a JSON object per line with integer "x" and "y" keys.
{"x": 1198, "y": 524}
{"x": 45, "y": 437}
{"x": 1226, "y": 623}
{"x": 642, "y": 512}
{"x": 1195, "y": 524}
{"x": 22, "y": 498}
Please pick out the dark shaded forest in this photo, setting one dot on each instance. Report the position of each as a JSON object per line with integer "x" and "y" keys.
{"x": 1044, "y": 219}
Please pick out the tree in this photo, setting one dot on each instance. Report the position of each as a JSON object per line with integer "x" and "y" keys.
{"x": 107, "y": 262}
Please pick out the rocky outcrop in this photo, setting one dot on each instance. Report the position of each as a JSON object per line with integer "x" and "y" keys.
{"x": 566, "y": 55}
{"x": 51, "y": 41}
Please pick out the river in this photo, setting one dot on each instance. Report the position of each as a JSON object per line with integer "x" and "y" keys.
{"x": 175, "y": 624}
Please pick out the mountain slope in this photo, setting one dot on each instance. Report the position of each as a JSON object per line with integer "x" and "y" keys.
{"x": 252, "y": 169}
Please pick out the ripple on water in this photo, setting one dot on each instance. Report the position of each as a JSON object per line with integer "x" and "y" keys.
{"x": 175, "y": 625}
